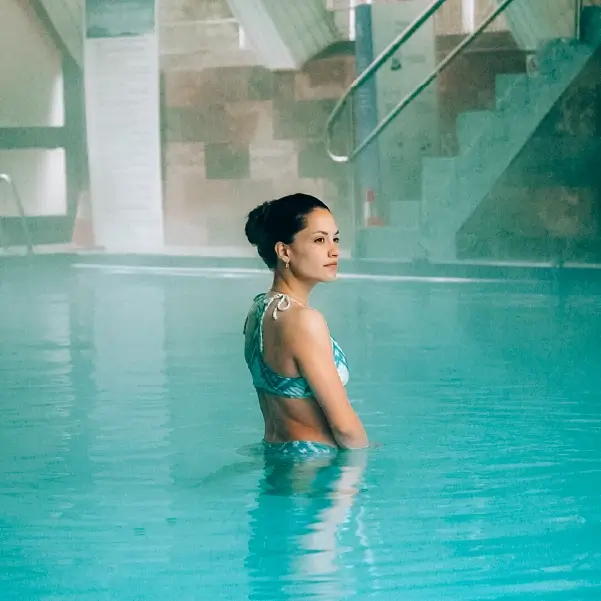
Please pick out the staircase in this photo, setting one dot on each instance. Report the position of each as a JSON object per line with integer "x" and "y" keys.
{"x": 489, "y": 141}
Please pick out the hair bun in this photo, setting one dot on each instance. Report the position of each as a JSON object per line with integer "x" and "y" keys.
{"x": 255, "y": 228}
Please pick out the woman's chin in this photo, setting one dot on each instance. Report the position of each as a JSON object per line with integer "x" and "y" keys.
{"x": 329, "y": 277}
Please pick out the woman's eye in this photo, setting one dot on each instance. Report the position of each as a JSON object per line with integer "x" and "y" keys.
{"x": 337, "y": 240}
{"x": 319, "y": 239}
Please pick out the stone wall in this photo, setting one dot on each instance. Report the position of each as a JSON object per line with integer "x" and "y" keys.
{"x": 236, "y": 134}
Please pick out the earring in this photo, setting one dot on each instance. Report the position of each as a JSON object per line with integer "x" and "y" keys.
{"x": 287, "y": 264}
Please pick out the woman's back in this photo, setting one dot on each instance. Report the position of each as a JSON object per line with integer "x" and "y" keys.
{"x": 287, "y": 402}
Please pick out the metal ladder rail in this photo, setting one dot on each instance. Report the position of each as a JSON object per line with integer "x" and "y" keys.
{"x": 20, "y": 209}
{"x": 383, "y": 57}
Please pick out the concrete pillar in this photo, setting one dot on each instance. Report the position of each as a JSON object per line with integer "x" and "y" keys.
{"x": 123, "y": 124}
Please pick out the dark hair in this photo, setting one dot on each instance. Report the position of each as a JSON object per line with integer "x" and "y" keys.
{"x": 279, "y": 221}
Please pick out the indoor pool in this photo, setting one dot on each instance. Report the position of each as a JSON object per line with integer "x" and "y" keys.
{"x": 128, "y": 465}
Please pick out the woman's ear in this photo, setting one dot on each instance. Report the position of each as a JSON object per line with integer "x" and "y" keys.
{"x": 282, "y": 252}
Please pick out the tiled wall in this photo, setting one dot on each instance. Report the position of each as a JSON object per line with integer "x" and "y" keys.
{"x": 236, "y": 134}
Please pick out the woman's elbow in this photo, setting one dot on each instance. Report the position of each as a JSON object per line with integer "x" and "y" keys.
{"x": 351, "y": 438}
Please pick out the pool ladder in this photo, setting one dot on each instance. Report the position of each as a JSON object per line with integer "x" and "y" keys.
{"x": 4, "y": 177}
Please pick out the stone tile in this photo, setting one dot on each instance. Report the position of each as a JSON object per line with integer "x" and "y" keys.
{"x": 261, "y": 84}
{"x": 172, "y": 11}
{"x": 229, "y": 84}
{"x": 180, "y": 231}
{"x": 186, "y": 155}
{"x": 187, "y": 190}
{"x": 315, "y": 187}
{"x": 182, "y": 88}
{"x": 245, "y": 195}
{"x": 225, "y": 223}
{"x": 226, "y": 161}
{"x": 207, "y": 86}
{"x": 284, "y": 88}
{"x": 303, "y": 120}
{"x": 191, "y": 37}
{"x": 305, "y": 90}
{"x": 326, "y": 72}
{"x": 208, "y": 59}
{"x": 277, "y": 160}
{"x": 175, "y": 200}
{"x": 227, "y": 230}
{"x": 250, "y": 122}
{"x": 208, "y": 124}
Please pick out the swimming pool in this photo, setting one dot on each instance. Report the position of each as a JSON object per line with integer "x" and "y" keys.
{"x": 127, "y": 424}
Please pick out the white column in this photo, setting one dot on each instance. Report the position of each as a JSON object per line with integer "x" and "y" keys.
{"x": 123, "y": 126}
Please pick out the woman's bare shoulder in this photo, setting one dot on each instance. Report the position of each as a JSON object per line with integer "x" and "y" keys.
{"x": 305, "y": 323}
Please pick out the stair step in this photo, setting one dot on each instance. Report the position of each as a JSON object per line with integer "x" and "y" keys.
{"x": 476, "y": 130}
{"x": 513, "y": 92}
{"x": 471, "y": 124}
{"x": 405, "y": 214}
{"x": 389, "y": 243}
{"x": 561, "y": 56}
{"x": 439, "y": 175}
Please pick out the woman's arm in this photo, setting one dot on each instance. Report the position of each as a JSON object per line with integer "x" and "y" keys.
{"x": 311, "y": 345}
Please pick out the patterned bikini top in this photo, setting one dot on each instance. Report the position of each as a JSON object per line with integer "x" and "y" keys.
{"x": 263, "y": 376}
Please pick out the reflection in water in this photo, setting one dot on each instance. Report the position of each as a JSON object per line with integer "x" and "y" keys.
{"x": 296, "y": 523}
{"x": 119, "y": 394}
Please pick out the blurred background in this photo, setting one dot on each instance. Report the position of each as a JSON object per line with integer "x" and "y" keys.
{"x": 156, "y": 125}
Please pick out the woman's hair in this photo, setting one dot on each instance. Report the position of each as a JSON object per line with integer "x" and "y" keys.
{"x": 279, "y": 221}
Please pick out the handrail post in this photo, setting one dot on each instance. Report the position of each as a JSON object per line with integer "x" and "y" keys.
{"x": 578, "y": 19}
{"x": 20, "y": 209}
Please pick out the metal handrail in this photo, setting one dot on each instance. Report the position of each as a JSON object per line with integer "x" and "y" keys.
{"x": 374, "y": 67}
{"x": 17, "y": 198}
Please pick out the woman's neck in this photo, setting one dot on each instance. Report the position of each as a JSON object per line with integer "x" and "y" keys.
{"x": 294, "y": 288}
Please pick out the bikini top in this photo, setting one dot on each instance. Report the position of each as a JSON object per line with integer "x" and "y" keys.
{"x": 263, "y": 376}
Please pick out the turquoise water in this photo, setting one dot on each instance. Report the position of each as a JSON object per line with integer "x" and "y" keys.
{"x": 128, "y": 471}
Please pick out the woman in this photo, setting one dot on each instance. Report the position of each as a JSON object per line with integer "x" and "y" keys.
{"x": 299, "y": 372}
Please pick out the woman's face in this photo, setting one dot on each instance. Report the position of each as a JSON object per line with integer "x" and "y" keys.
{"x": 315, "y": 250}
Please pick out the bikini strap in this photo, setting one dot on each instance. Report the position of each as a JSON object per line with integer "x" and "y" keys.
{"x": 282, "y": 303}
